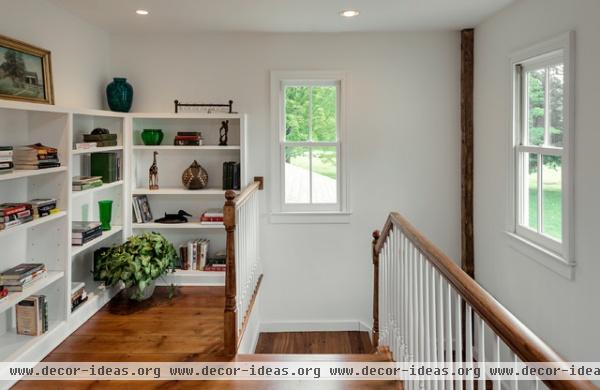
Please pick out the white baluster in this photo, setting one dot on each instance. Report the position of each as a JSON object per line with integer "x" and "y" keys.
{"x": 459, "y": 341}
{"x": 434, "y": 320}
{"x": 427, "y": 318}
{"x": 448, "y": 329}
{"x": 469, "y": 342}
{"x": 440, "y": 325}
{"x": 481, "y": 351}
{"x": 497, "y": 359}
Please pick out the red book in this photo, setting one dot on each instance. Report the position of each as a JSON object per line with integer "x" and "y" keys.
{"x": 8, "y": 209}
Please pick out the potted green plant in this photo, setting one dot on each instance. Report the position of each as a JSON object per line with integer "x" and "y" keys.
{"x": 136, "y": 263}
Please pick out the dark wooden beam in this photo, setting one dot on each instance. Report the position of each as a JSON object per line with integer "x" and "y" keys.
{"x": 466, "y": 158}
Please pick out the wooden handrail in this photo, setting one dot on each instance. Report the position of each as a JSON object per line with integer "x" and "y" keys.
{"x": 232, "y": 203}
{"x": 520, "y": 339}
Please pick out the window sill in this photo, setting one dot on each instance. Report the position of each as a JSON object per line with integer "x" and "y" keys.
{"x": 541, "y": 255}
{"x": 310, "y": 217}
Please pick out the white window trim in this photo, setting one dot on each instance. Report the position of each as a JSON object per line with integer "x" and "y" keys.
{"x": 559, "y": 257}
{"x": 279, "y": 213}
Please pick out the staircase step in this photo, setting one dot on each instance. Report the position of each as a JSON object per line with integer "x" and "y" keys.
{"x": 375, "y": 357}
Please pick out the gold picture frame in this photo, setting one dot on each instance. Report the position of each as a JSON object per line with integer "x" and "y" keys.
{"x": 25, "y": 72}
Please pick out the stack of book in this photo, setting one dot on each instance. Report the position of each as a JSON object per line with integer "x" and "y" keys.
{"x": 212, "y": 217}
{"x": 6, "y": 159}
{"x": 82, "y": 183}
{"x": 231, "y": 175}
{"x": 14, "y": 214}
{"x": 101, "y": 140}
{"x": 141, "y": 209}
{"x": 193, "y": 254}
{"x": 78, "y": 295}
{"x": 84, "y": 232}
{"x": 216, "y": 263}
{"x": 32, "y": 316}
{"x": 42, "y": 207}
{"x": 35, "y": 156}
{"x": 188, "y": 138}
{"x": 107, "y": 166}
{"x": 18, "y": 278}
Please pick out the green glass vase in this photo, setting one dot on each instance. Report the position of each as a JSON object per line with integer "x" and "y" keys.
{"x": 105, "y": 207}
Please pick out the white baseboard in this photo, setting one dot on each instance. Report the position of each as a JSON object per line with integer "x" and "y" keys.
{"x": 314, "y": 326}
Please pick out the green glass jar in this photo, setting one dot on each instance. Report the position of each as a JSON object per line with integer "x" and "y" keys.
{"x": 152, "y": 136}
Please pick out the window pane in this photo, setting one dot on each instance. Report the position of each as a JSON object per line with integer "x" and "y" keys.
{"x": 297, "y": 113}
{"x": 552, "y": 204}
{"x": 324, "y": 113}
{"x": 324, "y": 174}
{"x": 297, "y": 175}
{"x": 557, "y": 126}
{"x": 530, "y": 193}
{"x": 536, "y": 81}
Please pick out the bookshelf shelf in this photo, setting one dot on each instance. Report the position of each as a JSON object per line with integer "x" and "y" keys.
{"x": 76, "y": 250}
{"x": 13, "y": 345}
{"x": 198, "y": 148}
{"x": 104, "y": 187}
{"x": 175, "y": 226}
{"x": 34, "y": 223}
{"x": 15, "y": 297}
{"x": 76, "y": 152}
{"x": 179, "y": 192}
{"x": 21, "y": 174}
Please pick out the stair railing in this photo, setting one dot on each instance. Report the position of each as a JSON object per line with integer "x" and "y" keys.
{"x": 427, "y": 309}
{"x": 243, "y": 273}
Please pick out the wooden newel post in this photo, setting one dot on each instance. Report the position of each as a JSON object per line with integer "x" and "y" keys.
{"x": 230, "y": 325}
{"x": 375, "y": 330}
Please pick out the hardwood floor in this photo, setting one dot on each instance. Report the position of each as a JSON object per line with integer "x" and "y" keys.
{"x": 186, "y": 328}
{"x": 314, "y": 342}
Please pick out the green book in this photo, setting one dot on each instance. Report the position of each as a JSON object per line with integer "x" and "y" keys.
{"x": 104, "y": 165}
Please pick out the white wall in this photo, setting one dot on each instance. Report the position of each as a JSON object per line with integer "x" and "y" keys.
{"x": 403, "y": 134}
{"x": 562, "y": 312}
{"x": 79, "y": 50}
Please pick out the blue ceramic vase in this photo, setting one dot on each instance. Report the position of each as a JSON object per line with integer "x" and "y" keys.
{"x": 119, "y": 94}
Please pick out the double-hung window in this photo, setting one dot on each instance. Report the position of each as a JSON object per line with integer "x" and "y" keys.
{"x": 541, "y": 148}
{"x": 308, "y": 124}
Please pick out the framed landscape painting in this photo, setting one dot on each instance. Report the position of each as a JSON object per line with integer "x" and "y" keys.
{"x": 25, "y": 72}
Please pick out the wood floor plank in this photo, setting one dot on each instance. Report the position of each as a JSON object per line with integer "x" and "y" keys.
{"x": 189, "y": 328}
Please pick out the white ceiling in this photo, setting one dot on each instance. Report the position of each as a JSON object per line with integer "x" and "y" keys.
{"x": 281, "y": 15}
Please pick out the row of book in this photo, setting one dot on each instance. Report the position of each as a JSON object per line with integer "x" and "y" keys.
{"x": 6, "y": 159}
{"x": 84, "y": 232}
{"x": 188, "y": 138}
{"x": 78, "y": 295}
{"x": 36, "y": 156}
{"x": 193, "y": 256}
{"x": 18, "y": 278}
{"x": 15, "y": 214}
{"x": 231, "y": 175}
{"x": 141, "y": 209}
{"x": 32, "y": 315}
{"x": 82, "y": 183}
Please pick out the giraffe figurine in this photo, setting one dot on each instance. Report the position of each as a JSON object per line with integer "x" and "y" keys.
{"x": 153, "y": 174}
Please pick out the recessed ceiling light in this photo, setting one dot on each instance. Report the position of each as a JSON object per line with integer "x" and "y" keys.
{"x": 142, "y": 12}
{"x": 349, "y": 13}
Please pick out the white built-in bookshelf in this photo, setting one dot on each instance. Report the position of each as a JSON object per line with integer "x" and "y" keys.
{"x": 172, "y": 195}
{"x": 48, "y": 239}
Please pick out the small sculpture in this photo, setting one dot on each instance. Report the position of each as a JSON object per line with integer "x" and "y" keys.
{"x": 194, "y": 177}
{"x": 153, "y": 174}
{"x": 223, "y": 133}
{"x": 99, "y": 131}
{"x": 180, "y": 217}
